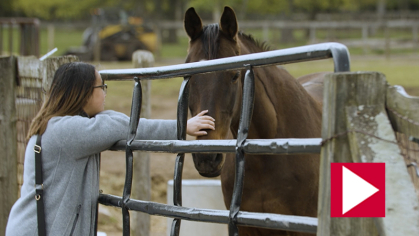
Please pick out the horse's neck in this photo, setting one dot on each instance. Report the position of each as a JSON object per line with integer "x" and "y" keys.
{"x": 282, "y": 107}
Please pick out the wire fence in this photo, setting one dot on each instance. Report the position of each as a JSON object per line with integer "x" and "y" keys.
{"x": 29, "y": 97}
{"x": 409, "y": 147}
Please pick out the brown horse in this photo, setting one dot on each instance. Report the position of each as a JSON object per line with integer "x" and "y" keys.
{"x": 283, "y": 108}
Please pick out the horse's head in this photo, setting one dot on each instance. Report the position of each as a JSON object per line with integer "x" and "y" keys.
{"x": 218, "y": 92}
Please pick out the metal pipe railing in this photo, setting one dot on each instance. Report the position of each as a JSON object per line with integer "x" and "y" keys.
{"x": 235, "y": 217}
{"x": 182, "y": 119}
{"x": 337, "y": 51}
{"x": 254, "y": 219}
{"x": 250, "y": 146}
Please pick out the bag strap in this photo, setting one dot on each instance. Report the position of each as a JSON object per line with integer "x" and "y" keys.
{"x": 39, "y": 187}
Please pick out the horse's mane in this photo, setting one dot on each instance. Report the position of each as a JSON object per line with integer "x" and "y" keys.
{"x": 210, "y": 41}
{"x": 264, "y": 46}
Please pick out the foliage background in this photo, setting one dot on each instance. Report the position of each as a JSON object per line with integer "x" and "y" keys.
{"x": 170, "y": 9}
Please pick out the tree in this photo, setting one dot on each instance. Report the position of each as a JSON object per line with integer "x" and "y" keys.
{"x": 6, "y": 8}
{"x": 174, "y": 9}
{"x": 51, "y": 9}
{"x": 72, "y": 9}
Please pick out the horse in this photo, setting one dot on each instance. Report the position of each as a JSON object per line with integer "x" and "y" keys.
{"x": 283, "y": 108}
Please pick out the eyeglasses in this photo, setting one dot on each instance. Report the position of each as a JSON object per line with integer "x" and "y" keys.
{"x": 104, "y": 87}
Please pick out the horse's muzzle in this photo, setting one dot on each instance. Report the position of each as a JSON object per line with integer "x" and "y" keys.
{"x": 208, "y": 165}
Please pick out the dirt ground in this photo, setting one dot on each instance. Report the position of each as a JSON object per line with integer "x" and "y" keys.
{"x": 112, "y": 175}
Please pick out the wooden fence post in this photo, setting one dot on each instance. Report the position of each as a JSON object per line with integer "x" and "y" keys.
{"x": 97, "y": 47}
{"x": 387, "y": 44}
{"x": 312, "y": 35}
{"x": 1, "y": 39}
{"x": 365, "y": 39}
{"x": 353, "y": 102}
{"x": 265, "y": 30}
{"x": 415, "y": 36}
{"x": 51, "y": 33}
{"x": 141, "y": 176}
{"x": 50, "y": 65}
{"x": 8, "y": 139}
{"x": 11, "y": 39}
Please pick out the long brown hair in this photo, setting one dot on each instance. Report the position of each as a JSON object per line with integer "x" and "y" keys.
{"x": 71, "y": 87}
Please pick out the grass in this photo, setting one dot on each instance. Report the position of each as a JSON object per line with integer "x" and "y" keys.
{"x": 178, "y": 50}
{"x": 120, "y": 92}
{"x": 63, "y": 39}
{"x": 398, "y": 70}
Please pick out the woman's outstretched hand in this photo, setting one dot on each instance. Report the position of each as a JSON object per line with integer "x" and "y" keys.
{"x": 199, "y": 122}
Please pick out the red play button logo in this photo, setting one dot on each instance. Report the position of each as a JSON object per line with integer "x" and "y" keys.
{"x": 357, "y": 190}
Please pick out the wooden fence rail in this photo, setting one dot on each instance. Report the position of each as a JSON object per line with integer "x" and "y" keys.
{"x": 365, "y": 27}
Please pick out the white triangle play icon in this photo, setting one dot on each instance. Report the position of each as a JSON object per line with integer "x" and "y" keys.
{"x": 355, "y": 190}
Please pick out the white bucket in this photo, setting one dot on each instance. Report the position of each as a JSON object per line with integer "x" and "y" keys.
{"x": 205, "y": 194}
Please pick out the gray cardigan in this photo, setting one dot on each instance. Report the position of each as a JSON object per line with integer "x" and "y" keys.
{"x": 70, "y": 159}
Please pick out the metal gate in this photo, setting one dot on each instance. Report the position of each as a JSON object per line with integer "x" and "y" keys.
{"x": 241, "y": 146}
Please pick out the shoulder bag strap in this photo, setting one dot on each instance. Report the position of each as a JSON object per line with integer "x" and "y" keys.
{"x": 39, "y": 187}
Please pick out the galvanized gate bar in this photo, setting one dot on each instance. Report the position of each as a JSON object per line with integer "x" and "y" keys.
{"x": 177, "y": 191}
{"x": 235, "y": 217}
{"x": 253, "y": 219}
{"x": 248, "y": 98}
{"x": 250, "y": 146}
{"x": 182, "y": 119}
{"x": 338, "y": 51}
{"x": 133, "y": 124}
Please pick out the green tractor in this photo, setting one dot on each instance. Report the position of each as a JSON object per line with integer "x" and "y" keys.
{"x": 114, "y": 36}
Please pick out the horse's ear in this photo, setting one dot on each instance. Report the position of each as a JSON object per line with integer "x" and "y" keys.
{"x": 192, "y": 23}
{"x": 228, "y": 23}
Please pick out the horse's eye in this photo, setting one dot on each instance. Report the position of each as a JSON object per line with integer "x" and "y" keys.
{"x": 236, "y": 76}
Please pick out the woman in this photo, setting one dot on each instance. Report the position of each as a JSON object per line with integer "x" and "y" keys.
{"x": 75, "y": 128}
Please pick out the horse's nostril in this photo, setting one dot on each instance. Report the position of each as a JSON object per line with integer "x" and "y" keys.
{"x": 208, "y": 165}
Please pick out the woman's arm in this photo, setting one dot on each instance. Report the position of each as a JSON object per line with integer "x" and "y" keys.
{"x": 167, "y": 129}
{"x": 85, "y": 136}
